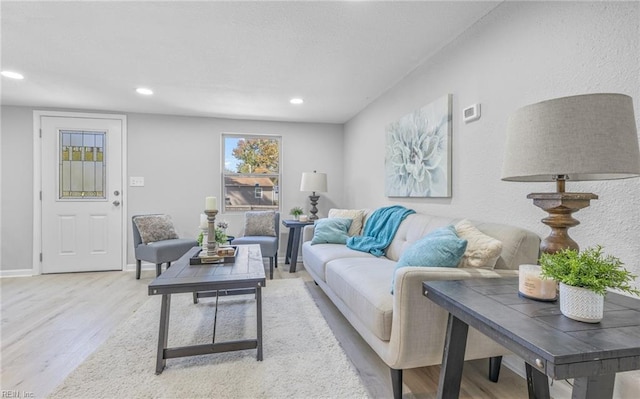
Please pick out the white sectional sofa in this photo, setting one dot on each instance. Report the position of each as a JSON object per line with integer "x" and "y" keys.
{"x": 405, "y": 328}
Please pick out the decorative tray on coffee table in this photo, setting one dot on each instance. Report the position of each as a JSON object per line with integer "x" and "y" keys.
{"x": 226, "y": 254}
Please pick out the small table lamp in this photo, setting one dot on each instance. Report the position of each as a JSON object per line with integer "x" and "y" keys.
{"x": 585, "y": 137}
{"x": 312, "y": 181}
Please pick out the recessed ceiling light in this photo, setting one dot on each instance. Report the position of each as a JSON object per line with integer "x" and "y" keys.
{"x": 12, "y": 75}
{"x": 296, "y": 101}
{"x": 144, "y": 91}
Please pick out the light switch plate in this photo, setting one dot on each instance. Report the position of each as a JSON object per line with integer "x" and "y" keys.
{"x": 136, "y": 181}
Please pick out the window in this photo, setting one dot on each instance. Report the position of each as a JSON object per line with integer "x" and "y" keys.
{"x": 81, "y": 168}
{"x": 251, "y": 172}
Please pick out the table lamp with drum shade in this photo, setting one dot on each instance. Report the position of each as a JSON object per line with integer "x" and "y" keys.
{"x": 577, "y": 138}
{"x": 314, "y": 182}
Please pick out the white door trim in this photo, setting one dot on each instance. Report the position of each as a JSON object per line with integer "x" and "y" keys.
{"x": 37, "y": 180}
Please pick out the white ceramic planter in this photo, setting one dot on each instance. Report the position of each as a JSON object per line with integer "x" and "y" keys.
{"x": 581, "y": 304}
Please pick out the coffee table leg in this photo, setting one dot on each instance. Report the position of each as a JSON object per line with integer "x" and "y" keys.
{"x": 259, "y": 320}
{"x": 453, "y": 358}
{"x": 163, "y": 335}
{"x": 600, "y": 386}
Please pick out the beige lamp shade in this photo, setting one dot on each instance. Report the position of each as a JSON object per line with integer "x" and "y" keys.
{"x": 585, "y": 137}
{"x": 313, "y": 181}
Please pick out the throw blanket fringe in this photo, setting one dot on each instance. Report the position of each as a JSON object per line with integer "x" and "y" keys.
{"x": 379, "y": 230}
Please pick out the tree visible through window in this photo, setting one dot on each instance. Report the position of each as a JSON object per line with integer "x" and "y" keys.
{"x": 251, "y": 175}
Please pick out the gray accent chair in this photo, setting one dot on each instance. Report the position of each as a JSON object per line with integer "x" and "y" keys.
{"x": 155, "y": 241}
{"x": 266, "y": 236}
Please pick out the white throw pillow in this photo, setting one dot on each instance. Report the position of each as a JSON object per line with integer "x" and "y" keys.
{"x": 356, "y": 215}
{"x": 482, "y": 251}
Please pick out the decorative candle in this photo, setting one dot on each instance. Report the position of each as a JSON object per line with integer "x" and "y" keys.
{"x": 532, "y": 285}
{"x": 211, "y": 204}
{"x": 203, "y": 221}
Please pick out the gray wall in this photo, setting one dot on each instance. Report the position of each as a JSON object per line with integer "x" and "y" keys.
{"x": 179, "y": 157}
{"x": 520, "y": 53}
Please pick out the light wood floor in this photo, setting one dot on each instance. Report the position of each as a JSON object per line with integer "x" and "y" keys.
{"x": 51, "y": 323}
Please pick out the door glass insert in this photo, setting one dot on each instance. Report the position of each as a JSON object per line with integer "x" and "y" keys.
{"x": 82, "y": 171}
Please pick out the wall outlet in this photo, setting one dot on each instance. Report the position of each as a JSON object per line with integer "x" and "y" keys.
{"x": 136, "y": 181}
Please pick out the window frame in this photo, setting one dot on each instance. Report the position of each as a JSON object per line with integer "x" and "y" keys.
{"x": 277, "y": 189}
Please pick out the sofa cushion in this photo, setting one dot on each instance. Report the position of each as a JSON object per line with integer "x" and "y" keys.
{"x": 317, "y": 256}
{"x": 482, "y": 251}
{"x": 440, "y": 248}
{"x": 331, "y": 231}
{"x": 356, "y": 215}
{"x": 363, "y": 285}
{"x": 413, "y": 228}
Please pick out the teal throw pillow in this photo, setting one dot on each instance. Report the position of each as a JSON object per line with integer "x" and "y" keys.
{"x": 440, "y": 248}
{"x": 331, "y": 231}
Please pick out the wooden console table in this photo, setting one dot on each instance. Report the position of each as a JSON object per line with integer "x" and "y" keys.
{"x": 550, "y": 343}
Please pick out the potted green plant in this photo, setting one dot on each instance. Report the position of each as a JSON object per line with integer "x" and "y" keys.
{"x": 584, "y": 278}
{"x": 296, "y": 211}
{"x": 221, "y": 237}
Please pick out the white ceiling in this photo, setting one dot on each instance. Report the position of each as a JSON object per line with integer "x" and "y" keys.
{"x": 231, "y": 59}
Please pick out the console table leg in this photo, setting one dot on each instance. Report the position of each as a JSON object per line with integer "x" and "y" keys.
{"x": 294, "y": 249}
{"x": 163, "y": 336}
{"x": 453, "y": 358}
{"x": 287, "y": 257}
{"x": 600, "y": 386}
{"x": 259, "y": 320}
{"x": 537, "y": 383}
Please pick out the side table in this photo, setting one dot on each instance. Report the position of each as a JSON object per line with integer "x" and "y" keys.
{"x": 295, "y": 234}
{"x": 551, "y": 344}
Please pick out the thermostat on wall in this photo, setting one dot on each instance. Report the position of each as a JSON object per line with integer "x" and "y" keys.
{"x": 471, "y": 113}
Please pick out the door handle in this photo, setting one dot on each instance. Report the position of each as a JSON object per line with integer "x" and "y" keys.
{"x": 116, "y": 203}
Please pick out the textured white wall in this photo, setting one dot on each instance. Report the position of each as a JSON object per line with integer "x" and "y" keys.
{"x": 520, "y": 53}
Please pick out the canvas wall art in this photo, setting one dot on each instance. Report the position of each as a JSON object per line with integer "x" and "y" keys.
{"x": 418, "y": 153}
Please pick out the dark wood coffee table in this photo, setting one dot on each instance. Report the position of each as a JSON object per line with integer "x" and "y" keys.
{"x": 244, "y": 276}
{"x": 550, "y": 343}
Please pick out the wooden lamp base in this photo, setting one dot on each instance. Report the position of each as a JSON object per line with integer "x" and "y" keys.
{"x": 560, "y": 207}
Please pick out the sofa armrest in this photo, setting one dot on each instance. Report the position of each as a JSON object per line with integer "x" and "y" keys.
{"x": 307, "y": 233}
{"x": 419, "y": 325}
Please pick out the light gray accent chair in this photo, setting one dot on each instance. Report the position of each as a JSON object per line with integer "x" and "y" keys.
{"x": 263, "y": 228}
{"x": 155, "y": 240}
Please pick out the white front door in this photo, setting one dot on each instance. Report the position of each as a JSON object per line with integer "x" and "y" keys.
{"x": 81, "y": 203}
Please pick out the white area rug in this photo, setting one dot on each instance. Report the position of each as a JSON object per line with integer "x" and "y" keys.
{"x": 302, "y": 358}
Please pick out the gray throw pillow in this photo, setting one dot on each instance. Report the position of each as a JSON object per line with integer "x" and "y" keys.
{"x": 154, "y": 228}
{"x": 260, "y": 223}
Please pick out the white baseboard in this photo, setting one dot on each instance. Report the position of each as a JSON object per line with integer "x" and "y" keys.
{"x": 131, "y": 267}
{"x": 16, "y": 273}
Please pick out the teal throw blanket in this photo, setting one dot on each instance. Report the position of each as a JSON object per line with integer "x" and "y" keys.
{"x": 379, "y": 230}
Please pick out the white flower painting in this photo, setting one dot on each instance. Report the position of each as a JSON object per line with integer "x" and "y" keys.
{"x": 418, "y": 156}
